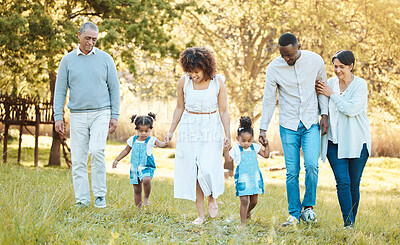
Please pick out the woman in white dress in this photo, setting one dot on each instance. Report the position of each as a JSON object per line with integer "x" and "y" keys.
{"x": 202, "y": 111}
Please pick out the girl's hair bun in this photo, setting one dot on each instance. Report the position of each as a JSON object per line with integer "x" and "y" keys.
{"x": 152, "y": 115}
{"x": 245, "y": 122}
{"x": 133, "y": 118}
{"x": 245, "y": 126}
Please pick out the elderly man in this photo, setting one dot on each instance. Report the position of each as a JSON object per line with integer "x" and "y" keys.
{"x": 91, "y": 77}
{"x": 294, "y": 75}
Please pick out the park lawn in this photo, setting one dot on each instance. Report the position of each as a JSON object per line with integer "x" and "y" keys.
{"x": 37, "y": 206}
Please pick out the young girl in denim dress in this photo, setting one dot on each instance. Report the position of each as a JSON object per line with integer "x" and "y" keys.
{"x": 142, "y": 160}
{"x": 248, "y": 179}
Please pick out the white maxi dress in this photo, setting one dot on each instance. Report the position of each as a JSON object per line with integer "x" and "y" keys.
{"x": 199, "y": 145}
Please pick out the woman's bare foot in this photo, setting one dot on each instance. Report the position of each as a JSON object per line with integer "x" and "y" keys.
{"x": 198, "y": 221}
{"x": 213, "y": 209}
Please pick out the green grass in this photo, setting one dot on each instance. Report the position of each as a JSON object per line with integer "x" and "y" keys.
{"x": 37, "y": 206}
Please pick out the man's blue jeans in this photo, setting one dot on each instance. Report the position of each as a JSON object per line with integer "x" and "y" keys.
{"x": 309, "y": 141}
{"x": 347, "y": 173}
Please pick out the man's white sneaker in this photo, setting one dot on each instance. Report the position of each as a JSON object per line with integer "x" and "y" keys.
{"x": 100, "y": 202}
{"x": 80, "y": 205}
{"x": 291, "y": 221}
{"x": 308, "y": 215}
{"x": 349, "y": 227}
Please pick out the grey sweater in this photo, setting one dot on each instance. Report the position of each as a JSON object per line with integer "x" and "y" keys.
{"x": 92, "y": 81}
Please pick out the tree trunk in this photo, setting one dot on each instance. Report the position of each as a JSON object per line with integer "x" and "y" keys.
{"x": 55, "y": 152}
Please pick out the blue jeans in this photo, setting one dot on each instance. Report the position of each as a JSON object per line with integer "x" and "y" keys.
{"x": 309, "y": 141}
{"x": 347, "y": 173}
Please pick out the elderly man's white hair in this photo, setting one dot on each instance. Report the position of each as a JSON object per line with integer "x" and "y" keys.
{"x": 89, "y": 25}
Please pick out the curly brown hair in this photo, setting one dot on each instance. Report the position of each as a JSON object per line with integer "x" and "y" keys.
{"x": 200, "y": 58}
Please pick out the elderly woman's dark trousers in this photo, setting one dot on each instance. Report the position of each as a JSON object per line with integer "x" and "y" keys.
{"x": 348, "y": 172}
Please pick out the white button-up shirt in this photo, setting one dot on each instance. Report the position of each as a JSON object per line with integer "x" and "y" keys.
{"x": 297, "y": 97}
{"x": 79, "y": 52}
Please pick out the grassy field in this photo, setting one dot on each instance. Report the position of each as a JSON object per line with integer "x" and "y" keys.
{"x": 37, "y": 206}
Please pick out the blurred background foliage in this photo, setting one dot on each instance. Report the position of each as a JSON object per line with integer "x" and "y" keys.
{"x": 145, "y": 39}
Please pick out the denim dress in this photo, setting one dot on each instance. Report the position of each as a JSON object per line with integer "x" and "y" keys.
{"x": 141, "y": 164}
{"x": 248, "y": 178}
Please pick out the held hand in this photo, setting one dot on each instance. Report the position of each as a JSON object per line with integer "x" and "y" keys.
{"x": 263, "y": 137}
{"x": 323, "y": 88}
{"x": 115, "y": 163}
{"x": 227, "y": 144}
{"x": 265, "y": 144}
{"x": 168, "y": 137}
{"x": 167, "y": 143}
{"x": 59, "y": 126}
{"x": 113, "y": 125}
{"x": 324, "y": 125}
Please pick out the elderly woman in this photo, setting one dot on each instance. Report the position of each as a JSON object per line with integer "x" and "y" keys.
{"x": 347, "y": 145}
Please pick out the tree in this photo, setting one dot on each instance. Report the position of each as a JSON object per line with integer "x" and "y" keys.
{"x": 370, "y": 30}
{"x": 36, "y": 34}
{"x": 244, "y": 35}
{"x": 34, "y": 38}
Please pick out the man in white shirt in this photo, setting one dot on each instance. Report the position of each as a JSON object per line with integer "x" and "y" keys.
{"x": 294, "y": 75}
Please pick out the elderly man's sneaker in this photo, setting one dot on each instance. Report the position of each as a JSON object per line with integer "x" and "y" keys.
{"x": 100, "y": 202}
{"x": 308, "y": 215}
{"x": 80, "y": 205}
{"x": 291, "y": 221}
